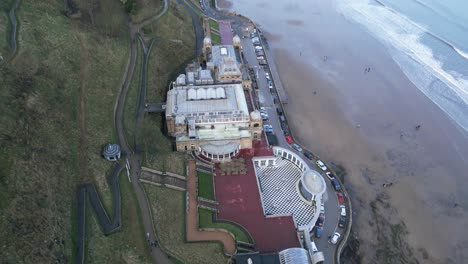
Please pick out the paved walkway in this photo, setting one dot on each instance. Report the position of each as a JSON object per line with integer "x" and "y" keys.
{"x": 193, "y": 233}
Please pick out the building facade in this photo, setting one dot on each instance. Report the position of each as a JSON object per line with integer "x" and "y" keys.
{"x": 206, "y": 108}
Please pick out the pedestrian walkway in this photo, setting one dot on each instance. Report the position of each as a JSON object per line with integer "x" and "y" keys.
{"x": 193, "y": 233}
{"x": 168, "y": 179}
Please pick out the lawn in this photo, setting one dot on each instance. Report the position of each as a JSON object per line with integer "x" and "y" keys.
{"x": 169, "y": 215}
{"x": 145, "y": 9}
{"x": 175, "y": 48}
{"x": 215, "y": 38}
{"x": 205, "y": 185}
{"x": 213, "y": 24}
{"x": 206, "y": 221}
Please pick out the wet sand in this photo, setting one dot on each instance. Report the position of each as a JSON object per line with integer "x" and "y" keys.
{"x": 366, "y": 122}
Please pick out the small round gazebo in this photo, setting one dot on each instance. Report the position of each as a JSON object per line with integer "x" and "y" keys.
{"x": 111, "y": 152}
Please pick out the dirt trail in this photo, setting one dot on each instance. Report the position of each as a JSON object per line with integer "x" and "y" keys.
{"x": 193, "y": 234}
{"x": 81, "y": 112}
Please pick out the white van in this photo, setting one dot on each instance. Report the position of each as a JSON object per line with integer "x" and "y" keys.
{"x": 343, "y": 210}
{"x": 314, "y": 247}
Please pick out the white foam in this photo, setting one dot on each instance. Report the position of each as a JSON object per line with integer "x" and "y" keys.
{"x": 404, "y": 35}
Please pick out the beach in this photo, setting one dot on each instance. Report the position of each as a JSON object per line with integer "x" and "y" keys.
{"x": 405, "y": 160}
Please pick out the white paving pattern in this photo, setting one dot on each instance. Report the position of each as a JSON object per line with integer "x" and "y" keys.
{"x": 279, "y": 192}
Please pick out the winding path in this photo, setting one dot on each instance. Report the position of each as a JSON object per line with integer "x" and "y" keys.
{"x": 14, "y": 29}
{"x": 133, "y": 158}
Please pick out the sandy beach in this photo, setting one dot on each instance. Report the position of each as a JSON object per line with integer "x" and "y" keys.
{"x": 366, "y": 123}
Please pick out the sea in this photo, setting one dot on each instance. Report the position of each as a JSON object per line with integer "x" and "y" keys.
{"x": 428, "y": 39}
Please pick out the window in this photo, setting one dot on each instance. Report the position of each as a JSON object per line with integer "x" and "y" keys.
{"x": 289, "y": 156}
{"x": 192, "y": 147}
{"x": 262, "y": 163}
{"x": 185, "y": 147}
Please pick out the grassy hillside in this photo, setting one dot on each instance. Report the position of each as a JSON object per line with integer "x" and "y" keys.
{"x": 57, "y": 112}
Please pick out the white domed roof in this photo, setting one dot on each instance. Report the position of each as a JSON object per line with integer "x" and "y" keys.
{"x": 201, "y": 94}
{"x": 313, "y": 182}
{"x": 210, "y": 93}
{"x": 192, "y": 94}
{"x": 220, "y": 93}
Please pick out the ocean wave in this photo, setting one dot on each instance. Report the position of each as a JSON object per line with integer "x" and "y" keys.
{"x": 404, "y": 35}
{"x": 443, "y": 40}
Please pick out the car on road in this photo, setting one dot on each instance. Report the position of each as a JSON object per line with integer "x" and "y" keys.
{"x": 308, "y": 155}
{"x": 318, "y": 232}
{"x": 321, "y": 165}
{"x": 313, "y": 247}
{"x": 335, "y": 238}
{"x": 279, "y": 111}
{"x": 284, "y": 126}
{"x": 329, "y": 175}
{"x": 289, "y": 139}
{"x": 336, "y": 185}
{"x": 343, "y": 210}
{"x": 296, "y": 147}
{"x": 320, "y": 220}
{"x": 340, "y": 197}
{"x": 342, "y": 221}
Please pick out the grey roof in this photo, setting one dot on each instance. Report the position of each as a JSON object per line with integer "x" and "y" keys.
{"x": 220, "y": 51}
{"x": 178, "y": 102}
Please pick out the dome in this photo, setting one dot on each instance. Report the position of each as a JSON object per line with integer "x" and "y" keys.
{"x": 255, "y": 115}
{"x": 192, "y": 94}
{"x": 313, "y": 182}
{"x": 201, "y": 94}
{"x": 210, "y": 93}
{"x": 220, "y": 93}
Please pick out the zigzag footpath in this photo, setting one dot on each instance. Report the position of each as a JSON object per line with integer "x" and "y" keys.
{"x": 14, "y": 29}
{"x": 133, "y": 159}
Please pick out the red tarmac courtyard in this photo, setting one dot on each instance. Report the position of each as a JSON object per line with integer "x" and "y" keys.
{"x": 239, "y": 202}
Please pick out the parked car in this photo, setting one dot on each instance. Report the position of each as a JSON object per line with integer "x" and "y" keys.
{"x": 321, "y": 165}
{"x": 275, "y": 100}
{"x": 318, "y": 232}
{"x": 270, "y": 85}
{"x": 284, "y": 126}
{"x": 282, "y": 119}
{"x": 335, "y": 238}
{"x": 343, "y": 210}
{"x": 336, "y": 185}
{"x": 286, "y": 132}
{"x": 340, "y": 197}
{"x": 320, "y": 220}
{"x": 260, "y": 58}
{"x": 258, "y": 47}
{"x": 342, "y": 221}
{"x": 329, "y": 175}
{"x": 279, "y": 110}
{"x": 308, "y": 155}
{"x": 322, "y": 209}
{"x": 288, "y": 139}
{"x": 297, "y": 147}
{"x": 313, "y": 247}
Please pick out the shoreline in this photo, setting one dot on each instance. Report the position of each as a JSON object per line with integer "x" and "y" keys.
{"x": 367, "y": 123}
